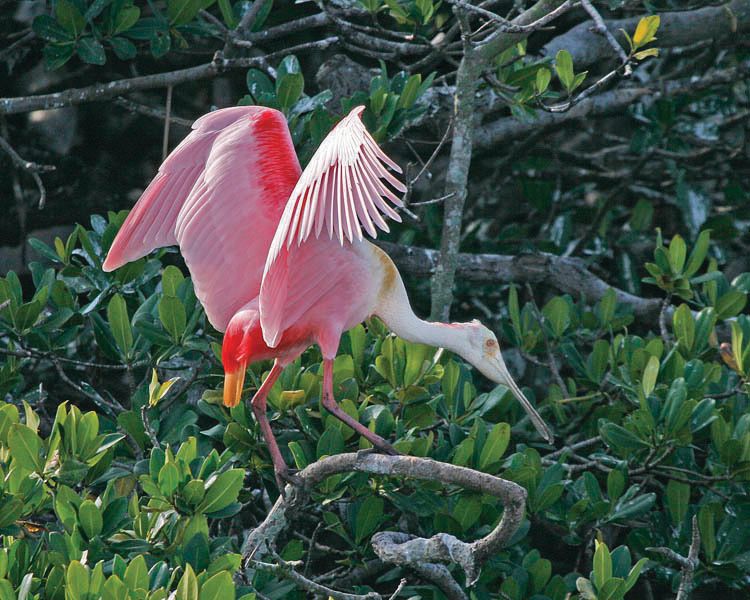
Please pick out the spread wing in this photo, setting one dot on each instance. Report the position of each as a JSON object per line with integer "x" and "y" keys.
{"x": 219, "y": 195}
{"x": 343, "y": 189}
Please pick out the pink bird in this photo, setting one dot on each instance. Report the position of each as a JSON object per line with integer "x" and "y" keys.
{"x": 277, "y": 255}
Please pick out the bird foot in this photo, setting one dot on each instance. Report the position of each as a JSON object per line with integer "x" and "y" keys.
{"x": 288, "y": 476}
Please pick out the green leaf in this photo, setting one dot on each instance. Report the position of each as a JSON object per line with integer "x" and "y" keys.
{"x": 218, "y": 587}
{"x": 543, "y": 78}
{"x": 136, "y": 575}
{"x": 634, "y": 574}
{"x": 708, "y": 531}
{"x": 223, "y": 491}
{"x": 678, "y": 499}
{"x": 25, "y": 446}
{"x": 225, "y": 6}
{"x": 677, "y": 253}
{"x": 181, "y": 12}
{"x": 119, "y": 323}
{"x": 650, "y": 374}
{"x": 187, "y": 589}
{"x": 602, "y": 565}
{"x": 77, "y": 578}
{"x": 369, "y": 515}
{"x": 564, "y": 68}
{"x": 615, "y": 485}
{"x": 330, "y": 443}
{"x": 91, "y": 51}
{"x": 126, "y": 18}
{"x": 169, "y": 479}
{"x": 69, "y": 17}
{"x": 698, "y": 255}
{"x": 467, "y": 511}
{"x": 494, "y": 446}
{"x": 90, "y": 519}
{"x": 49, "y": 29}
{"x": 409, "y": 93}
{"x": 172, "y": 316}
{"x": 620, "y": 438}
{"x": 730, "y": 304}
{"x": 612, "y": 589}
{"x": 171, "y": 279}
{"x": 684, "y": 327}
{"x": 124, "y": 49}
{"x": 289, "y": 89}
{"x": 259, "y": 85}
{"x": 557, "y": 313}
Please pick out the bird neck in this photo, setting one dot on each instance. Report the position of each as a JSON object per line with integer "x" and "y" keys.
{"x": 394, "y": 308}
{"x": 402, "y": 321}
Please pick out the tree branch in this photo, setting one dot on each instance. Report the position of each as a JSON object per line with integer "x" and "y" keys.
{"x": 490, "y": 134}
{"x": 105, "y": 91}
{"x": 678, "y": 28}
{"x": 569, "y": 275}
{"x": 393, "y": 547}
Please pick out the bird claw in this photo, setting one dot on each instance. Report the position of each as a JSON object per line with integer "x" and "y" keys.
{"x": 288, "y": 476}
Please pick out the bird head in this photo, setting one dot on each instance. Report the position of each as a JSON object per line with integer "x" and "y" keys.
{"x": 479, "y": 346}
{"x": 235, "y": 351}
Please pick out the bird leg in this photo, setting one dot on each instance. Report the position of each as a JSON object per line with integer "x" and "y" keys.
{"x": 330, "y": 404}
{"x": 258, "y": 403}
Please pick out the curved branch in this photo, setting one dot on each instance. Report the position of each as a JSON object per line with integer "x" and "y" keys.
{"x": 393, "y": 547}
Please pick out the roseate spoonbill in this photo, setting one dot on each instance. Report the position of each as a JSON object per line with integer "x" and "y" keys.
{"x": 234, "y": 198}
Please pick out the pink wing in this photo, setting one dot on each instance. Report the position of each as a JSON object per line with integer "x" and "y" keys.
{"x": 318, "y": 288}
{"x": 219, "y": 195}
{"x": 343, "y": 189}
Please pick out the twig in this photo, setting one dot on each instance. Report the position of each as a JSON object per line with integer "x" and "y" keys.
{"x": 26, "y": 353}
{"x": 167, "y": 115}
{"x": 29, "y": 167}
{"x": 689, "y": 564}
{"x": 506, "y": 26}
{"x": 150, "y": 111}
{"x": 551, "y": 362}
{"x": 147, "y": 426}
{"x": 601, "y": 28}
{"x": 286, "y": 570}
{"x": 397, "y": 591}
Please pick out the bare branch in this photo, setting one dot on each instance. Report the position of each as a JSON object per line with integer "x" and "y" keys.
{"x": 508, "y": 128}
{"x": 151, "y": 111}
{"x": 457, "y": 175}
{"x": 567, "y": 274}
{"x": 678, "y": 28}
{"x": 688, "y": 563}
{"x": 29, "y": 167}
{"x": 411, "y": 551}
{"x": 105, "y": 91}
{"x": 601, "y": 28}
{"x": 286, "y": 570}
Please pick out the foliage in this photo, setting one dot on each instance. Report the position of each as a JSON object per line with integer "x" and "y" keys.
{"x": 123, "y": 476}
{"x": 92, "y": 503}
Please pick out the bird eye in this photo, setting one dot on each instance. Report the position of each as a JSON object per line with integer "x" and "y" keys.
{"x": 490, "y": 344}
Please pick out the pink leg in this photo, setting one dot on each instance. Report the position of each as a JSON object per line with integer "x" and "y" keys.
{"x": 258, "y": 404}
{"x": 332, "y": 407}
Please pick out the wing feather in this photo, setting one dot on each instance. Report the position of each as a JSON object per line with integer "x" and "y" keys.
{"x": 346, "y": 187}
{"x": 219, "y": 195}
